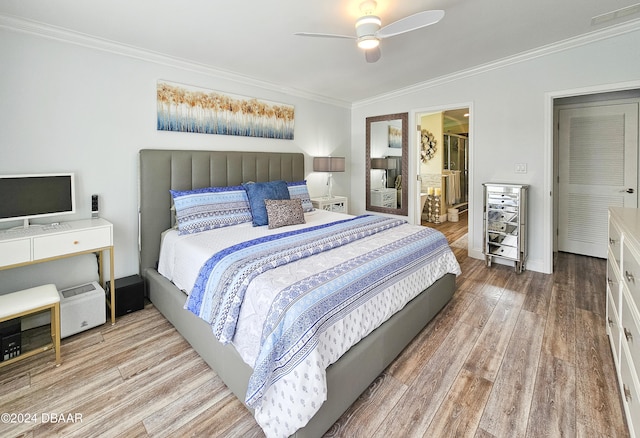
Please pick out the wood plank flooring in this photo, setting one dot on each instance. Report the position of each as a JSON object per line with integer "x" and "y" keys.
{"x": 510, "y": 356}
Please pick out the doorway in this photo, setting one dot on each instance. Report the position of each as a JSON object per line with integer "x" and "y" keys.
{"x": 443, "y": 145}
{"x": 595, "y": 167}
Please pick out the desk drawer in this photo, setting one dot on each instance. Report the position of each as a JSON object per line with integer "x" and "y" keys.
{"x": 13, "y": 252}
{"x": 69, "y": 243}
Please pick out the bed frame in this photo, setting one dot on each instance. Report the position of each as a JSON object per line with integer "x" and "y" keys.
{"x": 162, "y": 170}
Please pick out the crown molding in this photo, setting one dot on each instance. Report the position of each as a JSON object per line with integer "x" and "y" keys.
{"x": 89, "y": 41}
{"x": 560, "y": 46}
{"x": 92, "y": 42}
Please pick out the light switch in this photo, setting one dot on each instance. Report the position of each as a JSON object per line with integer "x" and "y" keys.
{"x": 521, "y": 167}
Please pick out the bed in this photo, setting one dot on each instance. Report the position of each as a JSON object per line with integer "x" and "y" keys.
{"x": 161, "y": 171}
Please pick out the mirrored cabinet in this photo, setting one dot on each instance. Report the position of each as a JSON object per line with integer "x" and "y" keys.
{"x": 505, "y": 223}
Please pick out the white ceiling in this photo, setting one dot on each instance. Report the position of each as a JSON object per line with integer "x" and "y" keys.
{"x": 254, "y": 38}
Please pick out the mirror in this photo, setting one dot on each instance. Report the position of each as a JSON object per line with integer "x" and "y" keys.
{"x": 386, "y": 160}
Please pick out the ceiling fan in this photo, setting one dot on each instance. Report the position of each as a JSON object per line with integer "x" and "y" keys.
{"x": 369, "y": 31}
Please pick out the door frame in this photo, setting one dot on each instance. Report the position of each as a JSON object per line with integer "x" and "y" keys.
{"x": 551, "y": 159}
{"x": 414, "y": 165}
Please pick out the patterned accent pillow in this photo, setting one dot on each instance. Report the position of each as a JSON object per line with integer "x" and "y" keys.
{"x": 283, "y": 212}
{"x": 298, "y": 190}
{"x": 211, "y": 207}
{"x": 258, "y": 192}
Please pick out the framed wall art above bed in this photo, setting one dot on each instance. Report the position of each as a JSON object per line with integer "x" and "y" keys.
{"x": 184, "y": 108}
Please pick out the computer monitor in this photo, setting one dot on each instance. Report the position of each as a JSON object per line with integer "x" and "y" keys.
{"x": 25, "y": 197}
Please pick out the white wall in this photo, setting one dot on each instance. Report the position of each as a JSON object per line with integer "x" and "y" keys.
{"x": 510, "y": 120}
{"x": 67, "y": 107}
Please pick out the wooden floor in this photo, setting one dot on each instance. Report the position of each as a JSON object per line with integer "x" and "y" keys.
{"x": 510, "y": 356}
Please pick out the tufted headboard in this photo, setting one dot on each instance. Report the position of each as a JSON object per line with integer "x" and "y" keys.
{"x": 161, "y": 170}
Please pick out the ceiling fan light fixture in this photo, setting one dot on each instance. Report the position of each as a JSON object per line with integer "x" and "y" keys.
{"x": 369, "y": 30}
{"x": 368, "y": 42}
{"x": 366, "y": 28}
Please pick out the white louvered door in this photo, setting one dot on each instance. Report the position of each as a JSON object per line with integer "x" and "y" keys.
{"x": 598, "y": 169}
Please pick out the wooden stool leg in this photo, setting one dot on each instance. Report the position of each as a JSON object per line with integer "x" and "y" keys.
{"x": 55, "y": 331}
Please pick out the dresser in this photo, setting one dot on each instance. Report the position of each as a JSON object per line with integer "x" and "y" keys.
{"x": 386, "y": 197}
{"x": 505, "y": 223}
{"x": 623, "y": 304}
{"x": 66, "y": 239}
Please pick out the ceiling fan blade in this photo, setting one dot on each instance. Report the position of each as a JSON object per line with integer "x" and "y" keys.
{"x": 412, "y": 22}
{"x": 372, "y": 55}
{"x": 324, "y": 35}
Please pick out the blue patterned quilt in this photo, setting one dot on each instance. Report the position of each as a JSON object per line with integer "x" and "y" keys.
{"x": 303, "y": 310}
{"x": 219, "y": 289}
{"x": 314, "y": 320}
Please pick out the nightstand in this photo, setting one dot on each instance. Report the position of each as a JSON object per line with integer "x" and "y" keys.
{"x": 384, "y": 197}
{"x": 336, "y": 203}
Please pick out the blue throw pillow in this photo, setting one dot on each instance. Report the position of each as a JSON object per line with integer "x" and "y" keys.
{"x": 211, "y": 207}
{"x": 258, "y": 192}
{"x": 298, "y": 190}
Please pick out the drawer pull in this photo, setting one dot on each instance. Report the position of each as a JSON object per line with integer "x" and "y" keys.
{"x": 75, "y": 242}
{"x": 629, "y": 276}
{"x": 628, "y": 335}
{"x": 627, "y": 393}
{"x": 612, "y": 241}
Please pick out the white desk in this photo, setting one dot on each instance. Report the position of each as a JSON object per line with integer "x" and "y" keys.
{"x": 72, "y": 238}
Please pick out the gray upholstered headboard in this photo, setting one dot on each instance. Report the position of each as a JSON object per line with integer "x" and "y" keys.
{"x": 162, "y": 170}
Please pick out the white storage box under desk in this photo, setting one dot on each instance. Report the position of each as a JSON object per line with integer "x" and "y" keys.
{"x": 81, "y": 308}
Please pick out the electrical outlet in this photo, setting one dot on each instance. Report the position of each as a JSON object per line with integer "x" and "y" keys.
{"x": 521, "y": 168}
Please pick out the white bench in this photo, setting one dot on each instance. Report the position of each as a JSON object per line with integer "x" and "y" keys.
{"x": 28, "y": 302}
